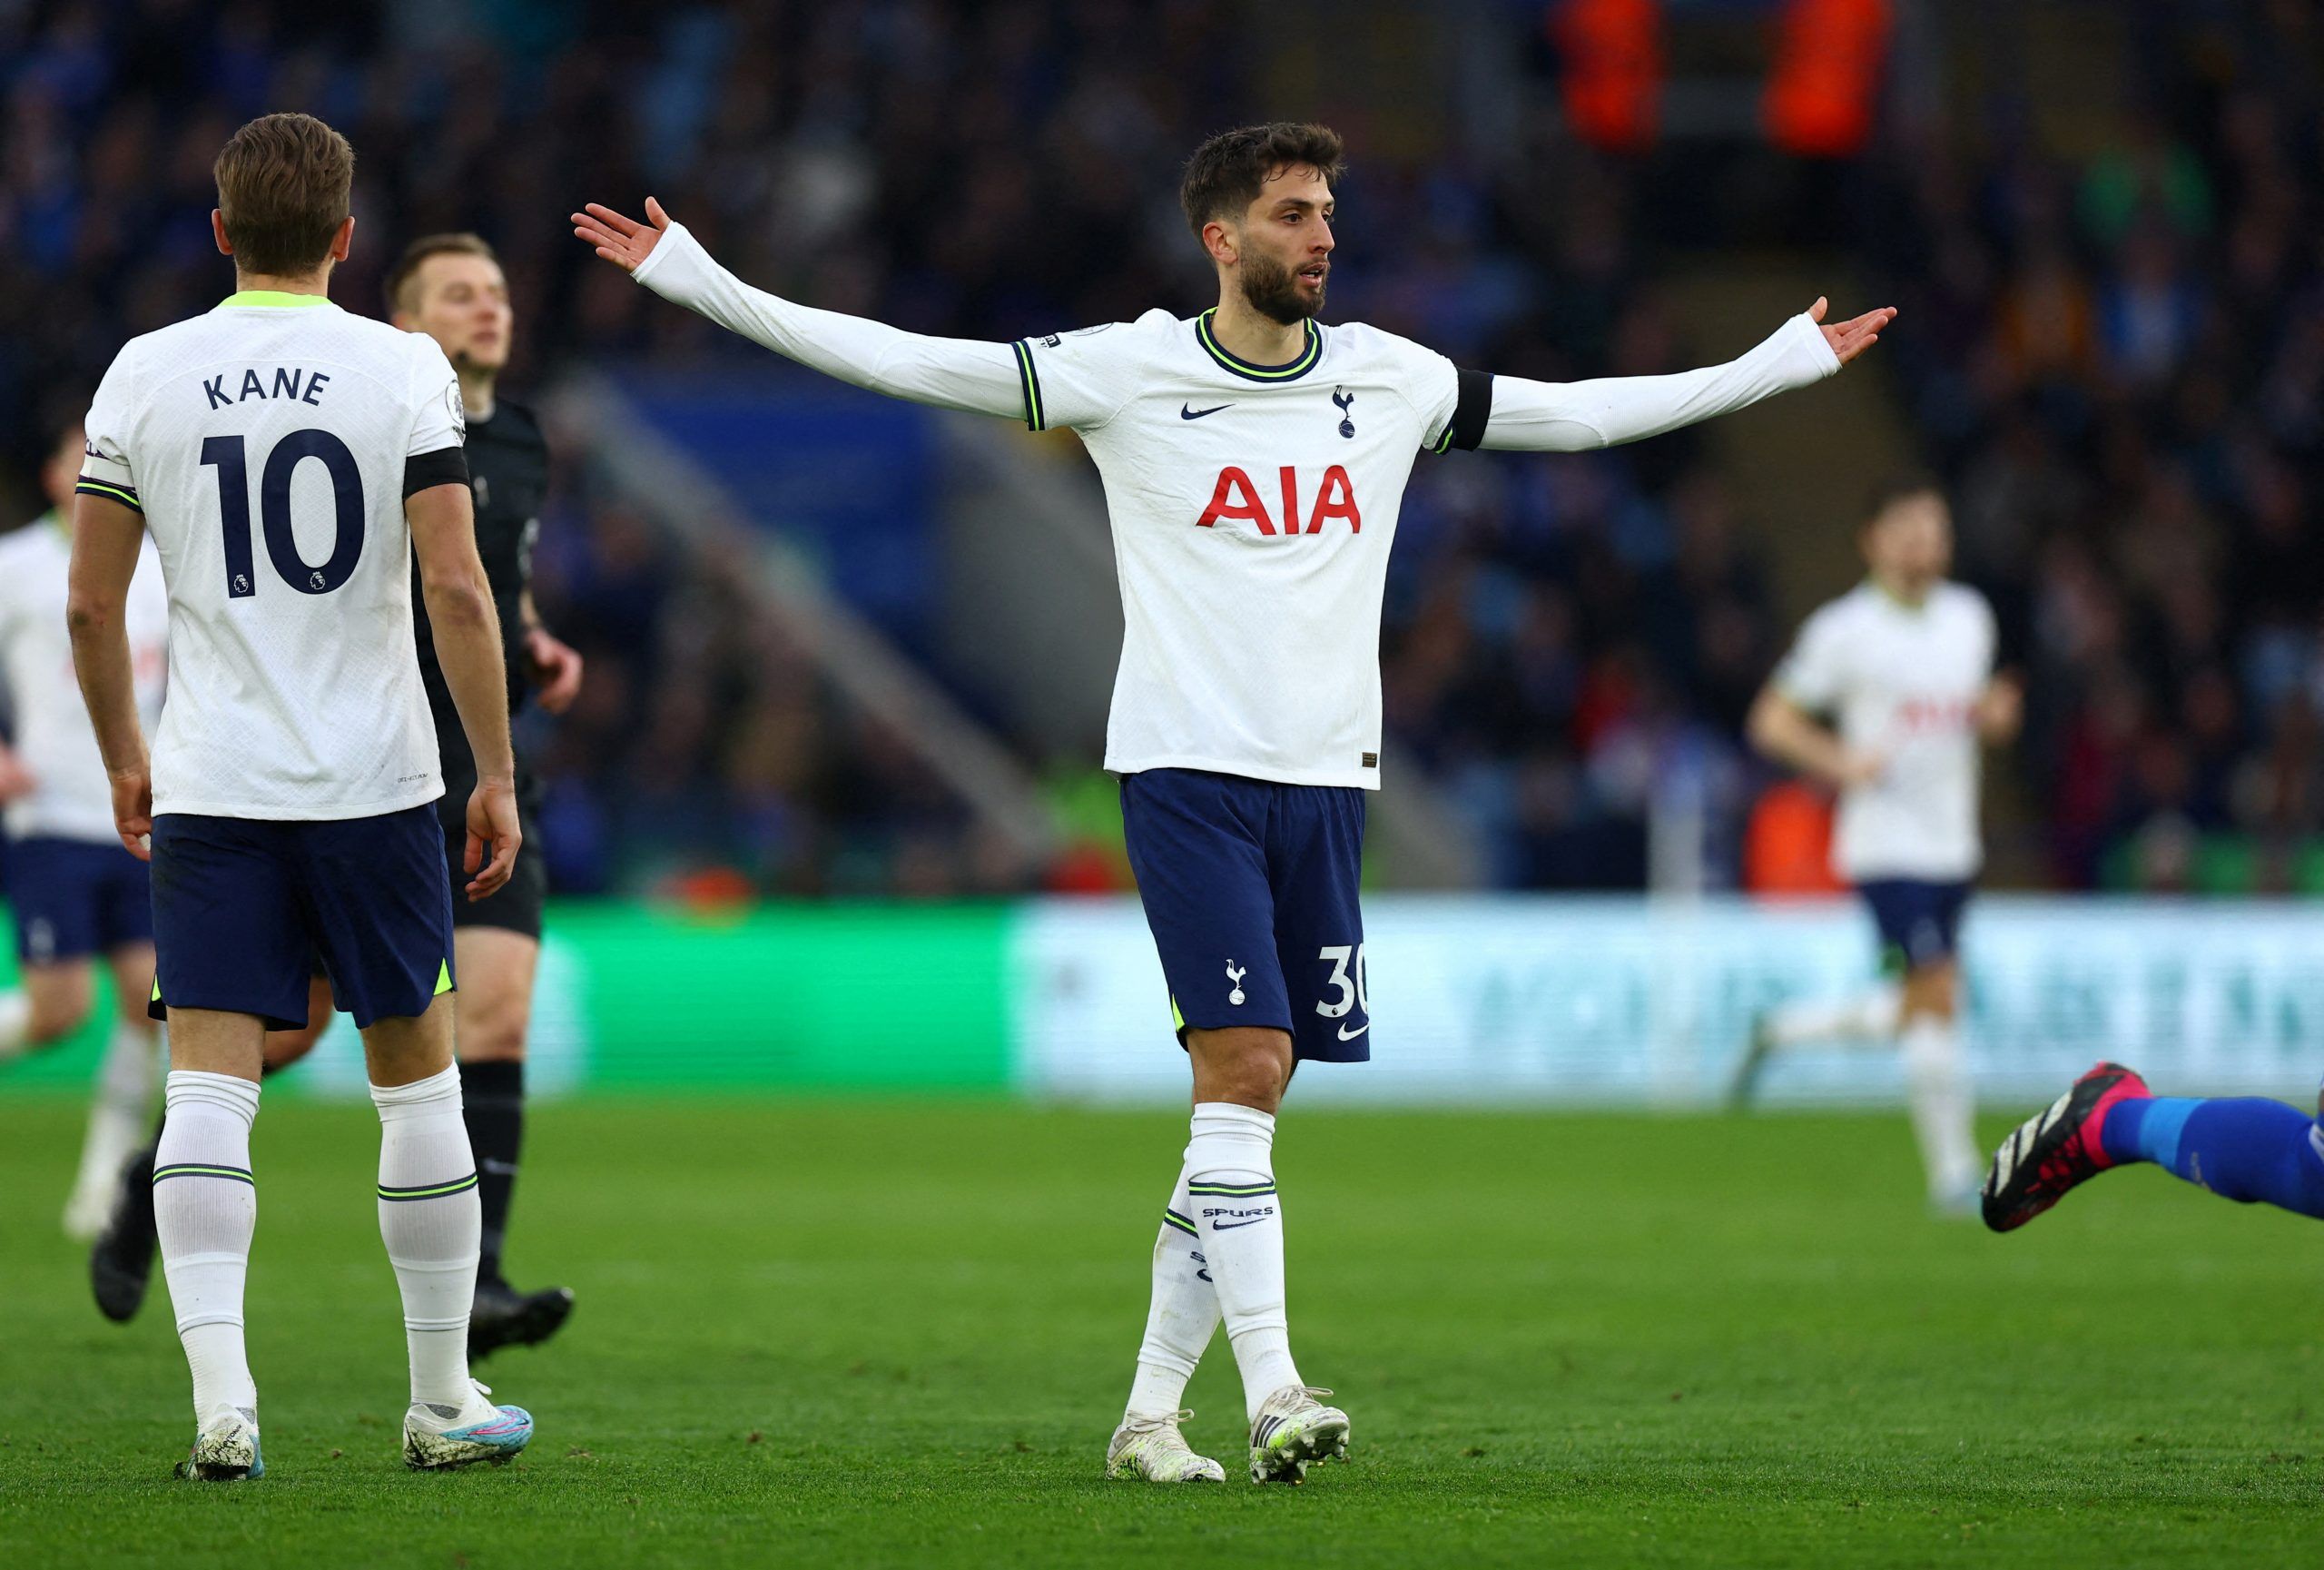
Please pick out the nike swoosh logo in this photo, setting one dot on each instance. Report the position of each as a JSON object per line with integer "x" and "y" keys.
{"x": 1186, "y": 411}
{"x": 1230, "y": 1226}
{"x": 1348, "y": 1035}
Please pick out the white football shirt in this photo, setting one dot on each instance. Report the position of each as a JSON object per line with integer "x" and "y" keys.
{"x": 1902, "y": 682}
{"x": 71, "y": 797}
{"x": 265, "y": 443}
{"x": 1254, "y": 509}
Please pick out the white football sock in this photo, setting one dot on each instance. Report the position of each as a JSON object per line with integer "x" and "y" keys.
{"x": 1183, "y": 1317}
{"x": 1867, "y": 1019}
{"x": 432, "y": 1223}
{"x": 15, "y": 1025}
{"x": 205, "y": 1208}
{"x": 1230, "y": 1181}
{"x": 118, "y": 1116}
{"x": 1944, "y": 1105}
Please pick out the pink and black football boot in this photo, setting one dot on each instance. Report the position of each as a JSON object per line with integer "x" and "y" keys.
{"x": 2056, "y": 1149}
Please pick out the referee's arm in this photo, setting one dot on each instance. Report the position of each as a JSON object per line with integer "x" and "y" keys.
{"x": 442, "y": 516}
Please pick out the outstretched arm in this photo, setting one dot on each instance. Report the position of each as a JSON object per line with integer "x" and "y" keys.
{"x": 948, "y": 372}
{"x": 1577, "y": 415}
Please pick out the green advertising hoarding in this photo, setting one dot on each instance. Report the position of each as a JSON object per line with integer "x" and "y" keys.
{"x": 802, "y": 997}
{"x": 1477, "y": 1001}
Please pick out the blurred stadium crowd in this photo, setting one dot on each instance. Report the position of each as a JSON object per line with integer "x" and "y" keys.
{"x": 2117, "y": 360}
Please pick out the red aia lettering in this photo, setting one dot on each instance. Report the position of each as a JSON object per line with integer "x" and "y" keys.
{"x": 1335, "y": 499}
{"x": 1235, "y": 497}
{"x": 1237, "y": 483}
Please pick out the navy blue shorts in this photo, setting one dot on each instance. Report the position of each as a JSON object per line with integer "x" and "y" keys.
{"x": 241, "y": 906}
{"x": 1920, "y": 923}
{"x": 1251, "y": 891}
{"x": 75, "y": 898}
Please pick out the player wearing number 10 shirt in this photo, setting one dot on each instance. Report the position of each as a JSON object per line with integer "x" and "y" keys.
{"x": 1253, "y": 462}
{"x": 287, "y": 460}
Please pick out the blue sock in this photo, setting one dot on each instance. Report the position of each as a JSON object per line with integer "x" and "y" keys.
{"x": 2243, "y": 1148}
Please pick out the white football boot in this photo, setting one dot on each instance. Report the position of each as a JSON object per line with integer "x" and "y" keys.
{"x": 1292, "y": 1429}
{"x": 1151, "y": 1446}
{"x": 226, "y": 1450}
{"x": 437, "y": 1438}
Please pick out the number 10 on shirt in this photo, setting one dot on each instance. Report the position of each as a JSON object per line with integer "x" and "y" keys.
{"x": 226, "y": 454}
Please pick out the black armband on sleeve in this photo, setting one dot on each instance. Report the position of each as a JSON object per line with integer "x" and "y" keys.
{"x": 445, "y": 466}
{"x": 1472, "y": 409}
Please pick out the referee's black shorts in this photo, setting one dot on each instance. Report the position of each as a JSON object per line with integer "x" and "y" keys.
{"x": 516, "y": 907}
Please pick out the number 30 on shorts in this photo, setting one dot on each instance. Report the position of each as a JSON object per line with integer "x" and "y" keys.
{"x": 1346, "y": 980}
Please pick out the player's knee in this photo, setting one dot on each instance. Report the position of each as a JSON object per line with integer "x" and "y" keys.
{"x": 492, "y": 1024}
{"x": 1930, "y": 990}
{"x": 50, "y": 1021}
{"x": 1250, "y": 1068}
{"x": 284, "y": 1048}
{"x": 493, "y": 1038}
{"x": 58, "y": 1000}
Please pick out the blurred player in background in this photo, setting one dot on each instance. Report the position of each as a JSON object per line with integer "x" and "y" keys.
{"x": 1903, "y": 664}
{"x": 289, "y": 459}
{"x": 1253, "y": 464}
{"x": 78, "y": 895}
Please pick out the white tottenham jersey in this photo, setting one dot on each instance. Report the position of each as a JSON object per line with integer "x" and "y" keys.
{"x": 1254, "y": 509}
{"x": 266, "y": 444}
{"x": 1903, "y": 682}
{"x": 71, "y": 797}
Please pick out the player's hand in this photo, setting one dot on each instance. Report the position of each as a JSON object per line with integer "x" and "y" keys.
{"x": 1849, "y": 338}
{"x": 16, "y": 779}
{"x": 132, "y": 810}
{"x": 624, "y": 241}
{"x": 2000, "y": 709}
{"x": 557, "y": 665}
{"x": 1858, "y": 769}
{"x": 493, "y": 837}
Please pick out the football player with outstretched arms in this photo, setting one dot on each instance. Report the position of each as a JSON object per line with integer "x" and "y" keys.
{"x": 1253, "y": 462}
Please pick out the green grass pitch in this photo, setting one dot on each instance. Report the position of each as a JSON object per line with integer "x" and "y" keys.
{"x": 886, "y": 1333}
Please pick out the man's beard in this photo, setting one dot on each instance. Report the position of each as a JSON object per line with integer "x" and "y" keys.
{"x": 1273, "y": 290}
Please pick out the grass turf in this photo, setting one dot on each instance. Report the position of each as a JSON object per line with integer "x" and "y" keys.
{"x": 855, "y": 1333}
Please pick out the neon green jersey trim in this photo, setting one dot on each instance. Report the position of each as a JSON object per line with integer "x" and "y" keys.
{"x": 443, "y": 980}
{"x": 1177, "y": 1020}
{"x": 1243, "y": 368}
{"x": 272, "y": 297}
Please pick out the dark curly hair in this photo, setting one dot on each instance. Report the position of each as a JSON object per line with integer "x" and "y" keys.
{"x": 1227, "y": 172}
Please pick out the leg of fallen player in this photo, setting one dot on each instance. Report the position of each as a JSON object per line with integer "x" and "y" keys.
{"x": 2248, "y": 1149}
{"x": 205, "y": 1210}
{"x": 498, "y": 966}
{"x": 431, "y": 1223}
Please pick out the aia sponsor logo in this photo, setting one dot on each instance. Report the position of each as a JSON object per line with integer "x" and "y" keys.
{"x": 1934, "y": 715}
{"x": 1236, "y": 496}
